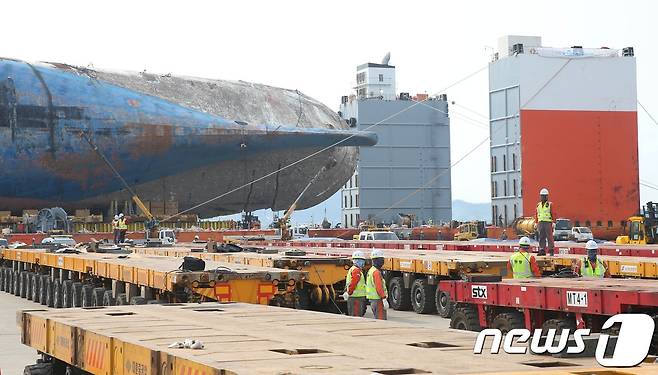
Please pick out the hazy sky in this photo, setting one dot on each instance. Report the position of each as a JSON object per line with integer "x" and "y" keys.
{"x": 315, "y": 46}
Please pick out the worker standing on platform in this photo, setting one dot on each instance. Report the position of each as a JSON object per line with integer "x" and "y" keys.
{"x": 123, "y": 228}
{"x": 355, "y": 284}
{"x": 591, "y": 266}
{"x": 376, "y": 290}
{"x": 522, "y": 264}
{"x": 544, "y": 220}
{"x": 115, "y": 229}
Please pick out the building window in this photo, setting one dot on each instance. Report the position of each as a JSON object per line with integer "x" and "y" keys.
{"x": 609, "y": 223}
{"x": 599, "y": 223}
{"x": 346, "y": 220}
{"x": 345, "y": 203}
{"x": 494, "y": 215}
{"x": 351, "y": 201}
{"x": 361, "y": 92}
{"x": 381, "y": 78}
{"x": 495, "y": 189}
{"x": 588, "y": 223}
{"x": 514, "y": 187}
{"x": 505, "y": 190}
{"x": 357, "y": 218}
{"x": 515, "y": 212}
{"x": 493, "y": 164}
{"x": 356, "y": 180}
{"x": 356, "y": 197}
{"x": 361, "y": 78}
{"x": 351, "y": 220}
{"x": 513, "y": 162}
{"x": 505, "y": 217}
{"x": 350, "y": 183}
{"x": 504, "y": 162}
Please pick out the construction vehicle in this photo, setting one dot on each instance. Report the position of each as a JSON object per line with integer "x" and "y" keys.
{"x": 642, "y": 229}
{"x": 470, "y": 231}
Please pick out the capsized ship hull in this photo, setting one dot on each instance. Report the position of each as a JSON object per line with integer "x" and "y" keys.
{"x": 173, "y": 139}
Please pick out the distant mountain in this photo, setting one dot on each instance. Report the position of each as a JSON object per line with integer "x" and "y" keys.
{"x": 464, "y": 211}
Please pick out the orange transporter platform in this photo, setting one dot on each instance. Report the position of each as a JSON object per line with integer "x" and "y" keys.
{"x": 88, "y": 279}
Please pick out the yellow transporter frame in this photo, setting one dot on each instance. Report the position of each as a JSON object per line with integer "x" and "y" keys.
{"x": 159, "y": 278}
{"x": 238, "y": 338}
{"x": 325, "y": 277}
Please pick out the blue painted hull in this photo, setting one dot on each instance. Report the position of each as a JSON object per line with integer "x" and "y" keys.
{"x": 166, "y": 150}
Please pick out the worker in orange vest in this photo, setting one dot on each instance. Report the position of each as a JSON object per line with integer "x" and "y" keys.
{"x": 376, "y": 291}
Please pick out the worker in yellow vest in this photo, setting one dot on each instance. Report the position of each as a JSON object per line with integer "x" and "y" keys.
{"x": 123, "y": 228}
{"x": 376, "y": 291}
{"x": 523, "y": 265}
{"x": 591, "y": 266}
{"x": 544, "y": 218}
{"x": 115, "y": 229}
{"x": 355, "y": 286}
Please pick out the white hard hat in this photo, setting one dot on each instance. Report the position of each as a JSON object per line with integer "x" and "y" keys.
{"x": 543, "y": 191}
{"x": 116, "y": 217}
{"x": 591, "y": 245}
{"x": 376, "y": 253}
{"x": 524, "y": 241}
{"x": 121, "y": 215}
{"x": 358, "y": 254}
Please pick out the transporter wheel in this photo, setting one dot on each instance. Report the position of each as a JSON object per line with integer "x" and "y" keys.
{"x": 303, "y": 298}
{"x": 444, "y": 305}
{"x": 67, "y": 293}
{"x": 87, "y": 292}
{"x": 76, "y": 294}
{"x": 57, "y": 294}
{"x": 43, "y": 289}
{"x": 39, "y": 369}
{"x": 465, "y": 318}
{"x": 108, "y": 299}
{"x": 137, "y": 301}
{"x": 399, "y": 297}
{"x": 97, "y": 296}
{"x": 422, "y": 296}
{"x": 35, "y": 287}
{"x": 17, "y": 283}
{"x": 25, "y": 277}
{"x": 508, "y": 321}
{"x": 50, "y": 298}
{"x": 121, "y": 299}
{"x": 2, "y": 278}
{"x": 28, "y": 285}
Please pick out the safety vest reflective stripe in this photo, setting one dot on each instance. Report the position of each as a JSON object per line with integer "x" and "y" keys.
{"x": 521, "y": 265}
{"x": 122, "y": 224}
{"x": 371, "y": 289}
{"x": 360, "y": 289}
{"x": 544, "y": 212}
{"x": 586, "y": 269}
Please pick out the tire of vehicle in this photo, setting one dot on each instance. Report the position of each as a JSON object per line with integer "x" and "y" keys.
{"x": 50, "y": 300}
{"x": 67, "y": 293}
{"x": 558, "y": 325}
{"x": 508, "y": 321}
{"x": 35, "y": 289}
{"x": 76, "y": 294}
{"x": 465, "y": 318}
{"x": 87, "y": 293}
{"x": 2, "y": 278}
{"x": 17, "y": 283}
{"x": 399, "y": 297}
{"x": 121, "y": 299}
{"x": 25, "y": 284}
{"x": 108, "y": 299}
{"x": 303, "y": 301}
{"x": 28, "y": 285}
{"x": 423, "y": 297}
{"x": 39, "y": 369}
{"x": 137, "y": 301}
{"x": 444, "y": 305}
{"x": 43, "y": 290}
{"x": 22, "y": 284}
{"x": 97, "y": 296}
{"x": 57, "y": 294}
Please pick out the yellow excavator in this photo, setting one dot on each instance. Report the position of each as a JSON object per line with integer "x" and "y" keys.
{"x": 642, "y": 229}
